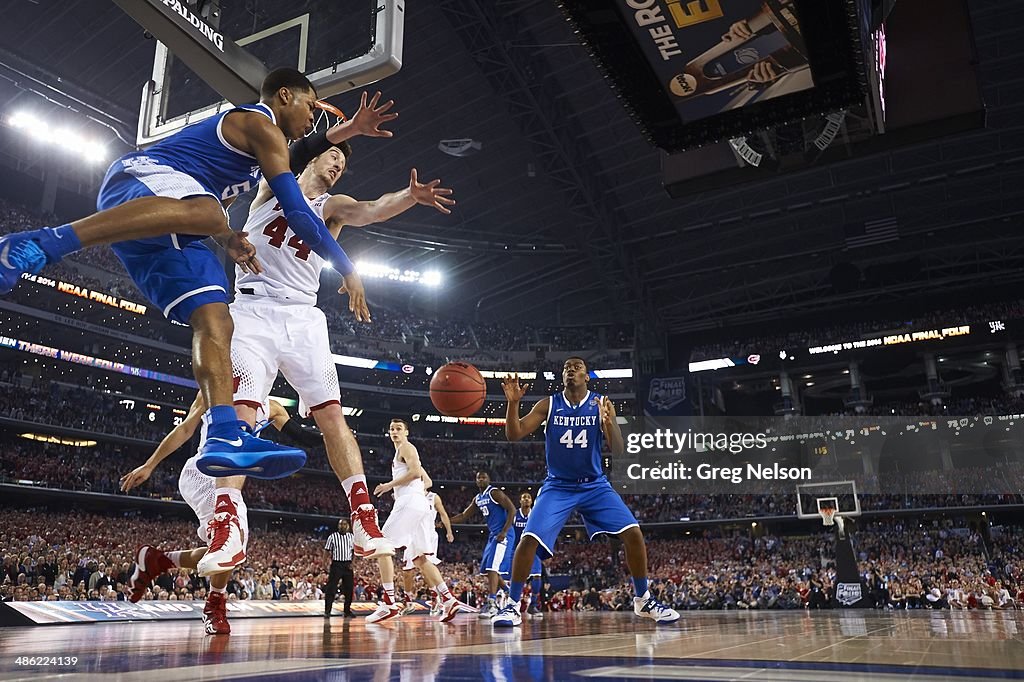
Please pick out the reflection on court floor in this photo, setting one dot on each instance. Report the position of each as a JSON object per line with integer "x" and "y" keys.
{"x": 803, "y": 646}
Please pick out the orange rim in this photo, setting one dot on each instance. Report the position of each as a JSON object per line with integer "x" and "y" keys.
{"x": 331, "y": 109}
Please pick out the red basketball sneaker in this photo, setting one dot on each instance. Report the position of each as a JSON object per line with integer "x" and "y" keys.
{"x": 215, "y": 614}
{"x": 149, "y": 563}
{"x": 369, "y": 543}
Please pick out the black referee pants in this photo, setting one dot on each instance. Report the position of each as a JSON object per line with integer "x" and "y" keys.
{"x": 341, "y": 571}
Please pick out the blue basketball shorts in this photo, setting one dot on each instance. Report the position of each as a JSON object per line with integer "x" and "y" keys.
{"x": 175, "y": 272}
{"x": 602, "y": 509}
{"x": 498, "y": 555}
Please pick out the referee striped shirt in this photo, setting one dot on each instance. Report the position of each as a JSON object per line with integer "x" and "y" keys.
{"x": 340, "y": 546}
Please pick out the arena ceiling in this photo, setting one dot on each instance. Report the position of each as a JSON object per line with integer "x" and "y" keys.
{"x": 562, "y": 216}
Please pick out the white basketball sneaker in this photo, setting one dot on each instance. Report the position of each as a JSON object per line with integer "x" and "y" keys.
{"x": 508, "y": 617}
{"x": 649, "y": 607}
{"x": 384, "y": 612}
{"x": 369, "y": 543}
{"x": 224, "y": 533}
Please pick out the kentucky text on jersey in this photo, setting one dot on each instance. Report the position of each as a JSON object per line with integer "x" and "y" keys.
{"x": 573, "y": 438}
{"x": 559, "y": 420}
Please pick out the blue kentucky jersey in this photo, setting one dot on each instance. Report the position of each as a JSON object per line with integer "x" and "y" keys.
{"x": 519, "y": 525}
{"x": 573, "y": 437}
{"x": 493, "y": 512}
{"x": 201, "y": 151}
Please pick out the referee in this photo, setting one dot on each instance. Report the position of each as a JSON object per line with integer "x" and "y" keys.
{"x": 339, "y": 546}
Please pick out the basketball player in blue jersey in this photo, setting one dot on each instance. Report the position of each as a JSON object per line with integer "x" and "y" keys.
{"x": 499, "y": 513}
{"x": 577, "y": 424}
{"x": 155, "y": 207}
{"x": 522, "y": 516}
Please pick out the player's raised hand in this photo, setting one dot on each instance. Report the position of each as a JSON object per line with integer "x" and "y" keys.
{"x": 135, "y": 477}
{"x": 514, "y": 391}
{"x": 429, "y": 194}
{"x": 607, "y": 408}
{"x": 353, "y": 286}
{"x": 242, "y": 252}
{"x": 370, "y": 117}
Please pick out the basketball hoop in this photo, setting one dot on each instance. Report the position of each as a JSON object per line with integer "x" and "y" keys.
{"x": 329, "y": 116}
{"x": 828, "y": 515}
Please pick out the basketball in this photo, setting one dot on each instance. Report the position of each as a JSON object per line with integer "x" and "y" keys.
{"x": 457, "y": 389}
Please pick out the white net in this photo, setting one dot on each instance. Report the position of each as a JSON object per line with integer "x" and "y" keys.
{"x": 327, "y": 116}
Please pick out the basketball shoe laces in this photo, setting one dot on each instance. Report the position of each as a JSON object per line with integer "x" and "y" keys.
{"x": 220, "y": 526}
{"x": 652, "y": 604}
{"x": 367, "y": 515}
{"x": 27, "y": 255}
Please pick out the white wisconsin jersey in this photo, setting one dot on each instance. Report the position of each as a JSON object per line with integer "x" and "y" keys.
{"x": 290, "y": 268}
{"x": 413, "y": 487}
{"x": 430, "y": 500}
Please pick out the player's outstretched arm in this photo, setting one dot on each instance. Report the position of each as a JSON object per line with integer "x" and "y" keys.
{"x": 465, "y": 514}
{"x": 306, "y": 436}
{"x": 610, "y": 426}
{"x": 442, "y": 513}
{"x": 367, "y": 121}
{"x": 516, "y": 428}
{"x": 341, "y": 210}
{"x": 177, "y": 437}
{"x": 411, "y": 456}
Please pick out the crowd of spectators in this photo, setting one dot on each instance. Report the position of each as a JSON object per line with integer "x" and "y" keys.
{"x": 904, "y": 564}
{"x": 98, "y": 469}
{"x": 72, "y": 407}
{"x": 965, "y": 406}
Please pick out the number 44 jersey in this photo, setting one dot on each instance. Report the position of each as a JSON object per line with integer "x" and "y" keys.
{"x": 573, "y": 437}
{"x": 290, "y": 268}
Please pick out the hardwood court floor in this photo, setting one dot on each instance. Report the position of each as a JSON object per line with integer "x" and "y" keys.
{"x": 821, "y": 646}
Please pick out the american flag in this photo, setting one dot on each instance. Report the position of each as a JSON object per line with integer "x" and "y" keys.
{"x": 871, "y": 232}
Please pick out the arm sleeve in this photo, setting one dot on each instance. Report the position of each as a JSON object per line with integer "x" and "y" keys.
{"x": 309, "y": 437}
{"x": 301, "y": 152}
{"x": 307, "y": 224}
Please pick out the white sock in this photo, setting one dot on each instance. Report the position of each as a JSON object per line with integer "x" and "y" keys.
{"x": 218, "y": 590}
{"x": 175, "y": 558}
{"x": 443, "y": 591}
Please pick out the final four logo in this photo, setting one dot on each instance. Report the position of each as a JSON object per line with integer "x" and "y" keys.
{"x": 666, "y": 393}
{"x": 848, "y": 594}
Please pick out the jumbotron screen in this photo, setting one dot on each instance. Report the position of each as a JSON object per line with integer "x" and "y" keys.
{"x": 696, "y": 71}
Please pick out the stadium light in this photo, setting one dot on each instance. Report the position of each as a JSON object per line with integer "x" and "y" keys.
{"x": 38, "y": 129}
{"x": 430, "y": 278}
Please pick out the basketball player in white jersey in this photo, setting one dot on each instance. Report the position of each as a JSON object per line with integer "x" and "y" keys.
{"x": 279, "y": 327}
{"x": 434, "y": 502}
{"x": 410, "y": 525}
{"x": 198, "y": 491}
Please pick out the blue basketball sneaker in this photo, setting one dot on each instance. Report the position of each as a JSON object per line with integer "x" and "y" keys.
{"x": 19, "y": 253}
{"x": 246, "y": 455}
